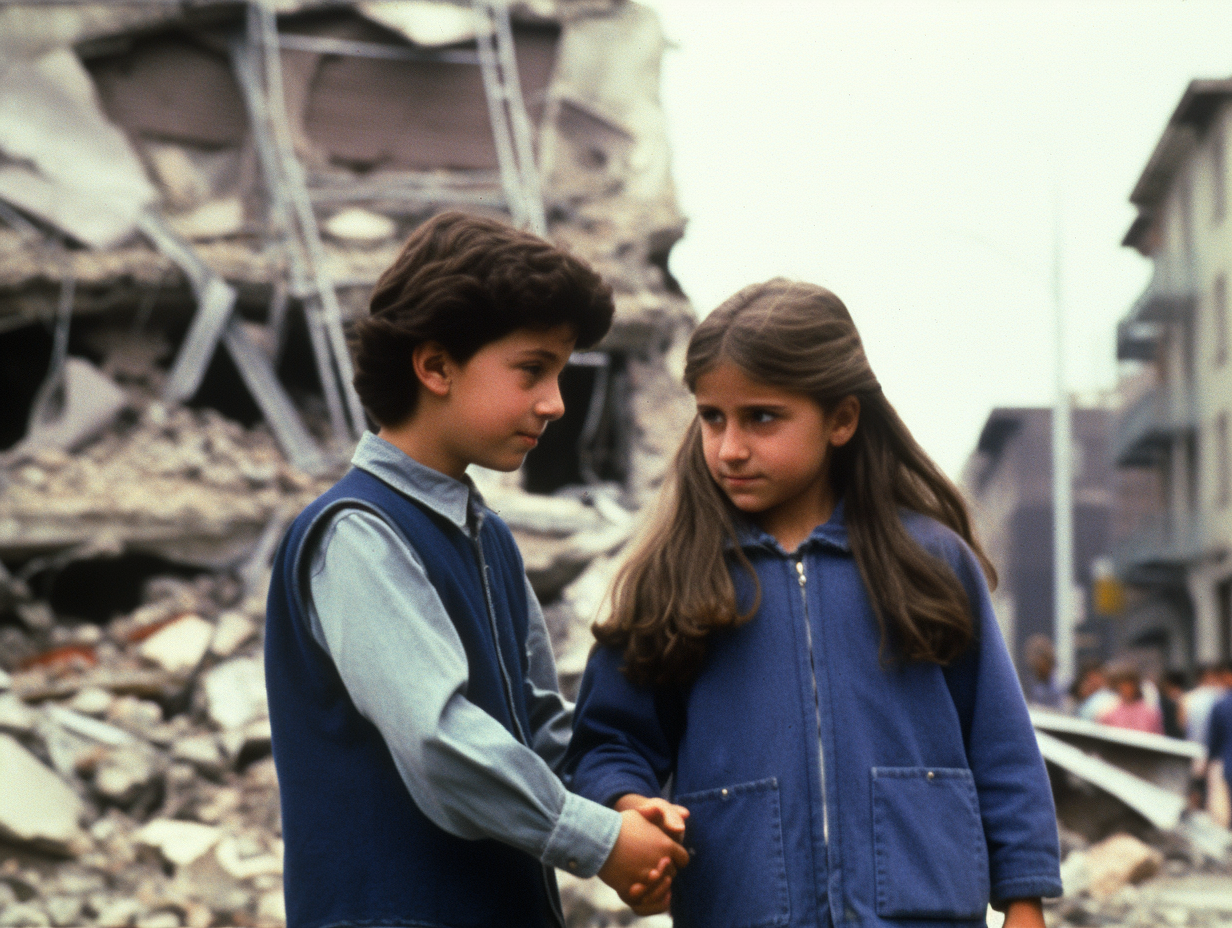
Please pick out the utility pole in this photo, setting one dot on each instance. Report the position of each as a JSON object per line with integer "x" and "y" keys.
{"x": 1062, "y": 485}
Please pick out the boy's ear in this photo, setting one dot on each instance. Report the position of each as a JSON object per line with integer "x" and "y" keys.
{"x": 433, "y": 367}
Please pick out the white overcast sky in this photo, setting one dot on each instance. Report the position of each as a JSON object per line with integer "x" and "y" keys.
{"x": 911, "y": 155}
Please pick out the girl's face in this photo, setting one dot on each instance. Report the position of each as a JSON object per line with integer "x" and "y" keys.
{"x": 769, "y": 449}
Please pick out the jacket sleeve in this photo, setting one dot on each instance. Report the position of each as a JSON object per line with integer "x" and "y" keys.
{"x": 384, "y": 626}
{"x": 1011, "y": 780}
{"x": 623, "y": 737}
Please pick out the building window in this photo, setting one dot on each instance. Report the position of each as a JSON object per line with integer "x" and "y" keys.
{"x": 1219, "y": 320}
{"x": 1218, "y": 172}
{"x": 1223, "y": 467}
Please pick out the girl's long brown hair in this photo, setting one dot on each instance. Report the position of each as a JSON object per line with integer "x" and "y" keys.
{"x": 676, "y": 588}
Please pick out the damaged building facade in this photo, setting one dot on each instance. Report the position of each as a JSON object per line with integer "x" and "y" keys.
{"x": 1172, "y": 441}
{"x": 195, "y": 199}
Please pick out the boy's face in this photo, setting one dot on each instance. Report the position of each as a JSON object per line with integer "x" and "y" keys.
{"x": 501, "y": 400}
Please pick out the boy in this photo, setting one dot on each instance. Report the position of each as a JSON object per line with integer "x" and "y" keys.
{"x": 412, "y": 691}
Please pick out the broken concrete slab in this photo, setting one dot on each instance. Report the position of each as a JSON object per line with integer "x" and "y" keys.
{"x": 1119, "y": 860}
{"x": 202, "y": 751}
{"x": 91, "y": 402}
{"x": 360, "y": 226}
{"x": 180, "y": 645}
{"x": 179, "y": 842}
{"x": 231, "y": 629}
{"x": 37, "y": 808}
{"x": 50, "y": 118}
{"x": 1160, "y": 807}
{"x": 235, "y": 692}
{"x": 15, "y": 716}
{"x": 1166, "y": 762}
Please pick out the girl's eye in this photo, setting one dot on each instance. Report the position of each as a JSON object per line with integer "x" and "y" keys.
{"x": 710, "y": 416}
{"x": 761, "y": 416}
{"x": 534, "y": 370}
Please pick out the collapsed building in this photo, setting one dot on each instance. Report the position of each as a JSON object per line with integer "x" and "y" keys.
{"x": 195, "y": 199}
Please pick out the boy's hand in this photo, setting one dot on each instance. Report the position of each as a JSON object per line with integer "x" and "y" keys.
{"x": 666, "y": 815}
{"x": 1024, "y": 913}
{"x": 642, "y": 863}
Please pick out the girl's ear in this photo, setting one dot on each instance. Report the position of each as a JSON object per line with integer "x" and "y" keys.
{"x": 433, "y": 366}
{"x": 844, "y": 420}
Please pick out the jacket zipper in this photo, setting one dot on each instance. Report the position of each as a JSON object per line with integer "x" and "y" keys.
{"x": 545, "y": 872}
{"x": 821, "y": 750}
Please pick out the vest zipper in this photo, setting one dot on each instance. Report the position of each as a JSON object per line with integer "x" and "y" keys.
{"x": 821, "y": 750}
{"x": 500, "y": 657}
{"x": 549, "y": 887}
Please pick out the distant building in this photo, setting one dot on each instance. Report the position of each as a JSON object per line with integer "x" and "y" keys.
{"x": 1171, "y": 441}
{"x": 1008, "y": 480}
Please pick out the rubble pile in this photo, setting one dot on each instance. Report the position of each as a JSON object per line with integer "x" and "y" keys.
{"x": 1125, "y": 881}
{"x": 138, "y": 786}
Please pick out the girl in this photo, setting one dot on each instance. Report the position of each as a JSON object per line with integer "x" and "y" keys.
{"x": 803, "y": 645}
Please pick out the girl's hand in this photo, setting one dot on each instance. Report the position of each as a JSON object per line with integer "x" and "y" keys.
{"x": 1024, "y": 913}
{"x": 666, "y": 815}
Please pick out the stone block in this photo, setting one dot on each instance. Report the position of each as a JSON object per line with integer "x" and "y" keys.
{"x": 37, "y": 808}
{"x": 1118, "y": 861}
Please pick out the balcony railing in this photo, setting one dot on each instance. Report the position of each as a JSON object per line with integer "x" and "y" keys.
{"x": 1169, "y": 295}
{"x": 1160, "y": 547}
{"x": 1147, "y": 427}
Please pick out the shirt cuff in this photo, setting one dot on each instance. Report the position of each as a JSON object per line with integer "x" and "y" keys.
{"x": 584, "y": 836}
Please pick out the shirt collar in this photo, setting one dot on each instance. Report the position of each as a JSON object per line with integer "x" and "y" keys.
{"x": 831, "y": 533}
{"x": 456, "y": 500}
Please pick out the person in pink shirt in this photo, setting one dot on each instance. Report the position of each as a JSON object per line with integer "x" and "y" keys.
{"x": 1131, "y": 710}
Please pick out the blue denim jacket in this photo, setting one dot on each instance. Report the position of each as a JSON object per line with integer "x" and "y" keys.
{"x": 825, "y": 784}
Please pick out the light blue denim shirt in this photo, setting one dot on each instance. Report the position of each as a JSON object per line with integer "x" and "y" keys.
{"x": 383, "y": 624}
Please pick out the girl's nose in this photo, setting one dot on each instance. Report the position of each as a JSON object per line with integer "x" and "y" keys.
{"x": 732, "y": 446}
{"x": 550, "y": 405}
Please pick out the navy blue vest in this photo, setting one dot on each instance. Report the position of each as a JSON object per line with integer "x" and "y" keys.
{"x": 358, "y": 849}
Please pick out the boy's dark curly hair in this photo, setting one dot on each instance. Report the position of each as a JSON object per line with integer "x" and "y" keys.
{"x": 464, "y": 281}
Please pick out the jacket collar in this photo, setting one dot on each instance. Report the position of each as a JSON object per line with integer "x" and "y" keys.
{"x": 456, "y": 500}
{"x": 831, "y": 533}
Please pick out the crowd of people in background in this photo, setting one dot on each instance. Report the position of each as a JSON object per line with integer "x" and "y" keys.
{"x": 1196, "y": 708}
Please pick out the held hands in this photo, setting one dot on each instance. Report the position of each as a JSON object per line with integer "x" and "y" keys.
{"x": 647, "y": 853}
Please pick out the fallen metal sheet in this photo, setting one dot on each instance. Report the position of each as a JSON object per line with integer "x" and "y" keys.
{"x": 50, "y": 118}
{"x": 1158, "y": 806}
{"x": 1166, "y": 762}
{"x": 280, "y": 413}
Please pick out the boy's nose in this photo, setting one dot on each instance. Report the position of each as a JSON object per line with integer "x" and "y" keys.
{"x": 551, "y": 405}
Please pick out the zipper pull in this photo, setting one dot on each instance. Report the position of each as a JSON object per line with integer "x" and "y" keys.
{"x": 800, "y": 571}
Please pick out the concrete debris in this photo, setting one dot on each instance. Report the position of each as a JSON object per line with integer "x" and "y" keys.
{"x": 37, "y": 808}
{"x": 361, "y": 226}
{"x": 231, "y": 629}
{"x": 179, "y": 842}
{"x": 213, "y": 219}
{"x": 180, "y": 644}
{"x": 50, "y": 118}
{"x": 235, "y": 693}
{"x": 91, "y": 403}
{"x": 1105, "y": 867}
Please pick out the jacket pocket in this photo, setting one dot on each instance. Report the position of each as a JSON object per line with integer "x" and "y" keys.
{"x": 737, "y": 875}
{"x": 930, "y": 856}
